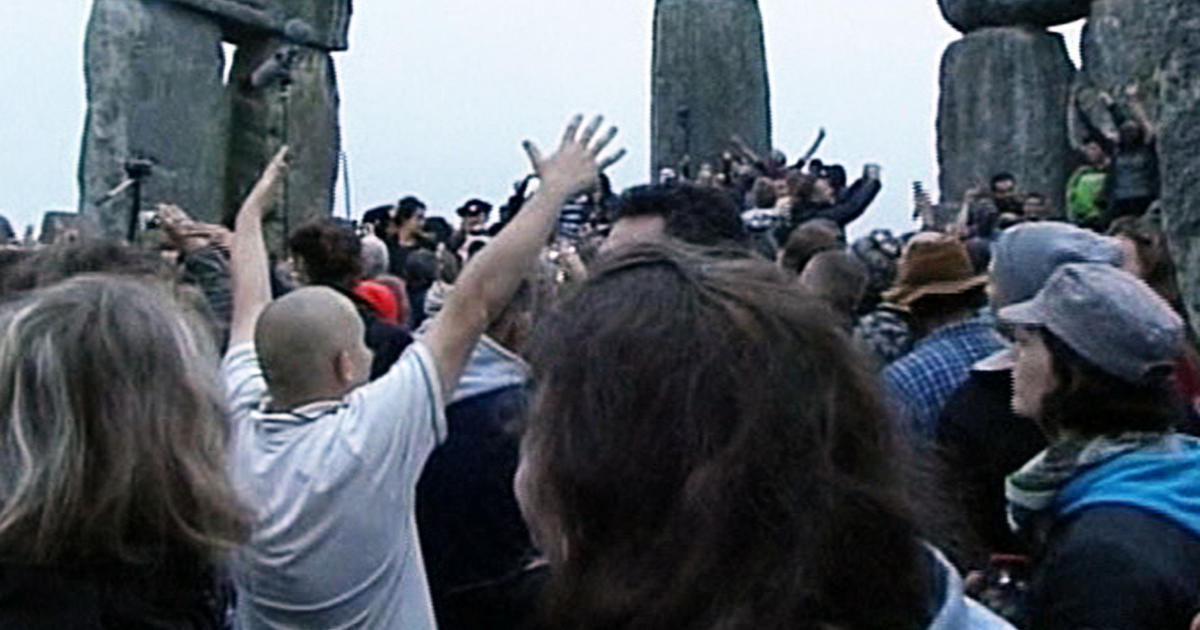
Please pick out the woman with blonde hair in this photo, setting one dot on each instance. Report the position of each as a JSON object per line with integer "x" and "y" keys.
{"x": 115, "y": 507}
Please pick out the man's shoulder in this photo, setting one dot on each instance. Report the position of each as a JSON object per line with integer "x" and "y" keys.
{"x": 975, "y": 338}
{"x": 245, "y": 386}
{"x": 408, "y": 395}
{"x": 926, "y": 356}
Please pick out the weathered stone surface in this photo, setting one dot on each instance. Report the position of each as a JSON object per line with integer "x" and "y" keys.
{"x": 709, "y": 80}
{"x": 154, "y": 91}
{"x": 1179, "y": 146}
{"x": 1003, "y": 107}
{"x": 304, "y": 116}
{"x": 970, "y": 15}
{"x": 1123, "y": 43}
{"x": 327, "y": 21}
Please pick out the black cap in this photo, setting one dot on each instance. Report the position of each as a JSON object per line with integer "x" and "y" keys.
{"x": 474, "y": 207}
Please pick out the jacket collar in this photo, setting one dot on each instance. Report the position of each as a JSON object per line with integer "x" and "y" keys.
{"x": 492, "y": 367}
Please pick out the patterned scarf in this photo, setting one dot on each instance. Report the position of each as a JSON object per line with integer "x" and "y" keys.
{"x": 1032, "y": 490}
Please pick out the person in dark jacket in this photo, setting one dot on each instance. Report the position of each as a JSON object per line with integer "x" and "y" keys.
{"x": 1112, "y": 506}
{"x": 824, "y": 201}
{"x": 471, "y": 529}
{"x": 407, "y": 234}
{"x": 979, "y": 437}
{"x": 420, "y": 275}
{"x": 1133, "y": 176}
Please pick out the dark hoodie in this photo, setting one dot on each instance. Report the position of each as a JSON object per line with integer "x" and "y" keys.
{"x": 470, "y": 525}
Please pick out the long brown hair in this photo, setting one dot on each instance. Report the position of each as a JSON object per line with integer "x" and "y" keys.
{"x": 706, "y": 450}
{"x": 113, "y": 432}
{"x": 1154, "y": 256}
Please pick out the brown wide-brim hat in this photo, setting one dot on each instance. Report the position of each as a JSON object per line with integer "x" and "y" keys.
{"x": 933, "y": 264}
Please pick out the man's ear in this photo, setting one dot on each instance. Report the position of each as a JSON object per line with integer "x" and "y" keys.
{"x": 343, "y": 368}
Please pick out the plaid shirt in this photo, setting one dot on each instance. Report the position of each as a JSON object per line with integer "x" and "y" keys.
{"x": 920, "y": 383}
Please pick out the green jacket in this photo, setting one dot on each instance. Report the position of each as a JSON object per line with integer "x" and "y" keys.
{"x": 1086, "y": 201}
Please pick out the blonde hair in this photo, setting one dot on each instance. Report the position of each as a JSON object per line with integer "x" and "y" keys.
{"x": 113, "y": 430}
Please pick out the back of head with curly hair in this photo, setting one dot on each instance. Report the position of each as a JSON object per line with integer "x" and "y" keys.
{"x": 328, "y": 253}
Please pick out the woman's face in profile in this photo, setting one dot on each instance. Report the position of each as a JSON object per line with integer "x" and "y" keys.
{"x": 1033, "y": 375}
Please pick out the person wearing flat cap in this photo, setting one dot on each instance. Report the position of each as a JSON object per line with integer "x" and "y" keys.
{"x": 475, "y": 214}
{"x": 1112, "y": 506}
{"x": 939, "y": 286}
{"x": 980, "y": 440}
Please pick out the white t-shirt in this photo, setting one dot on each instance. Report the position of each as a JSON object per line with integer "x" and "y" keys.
{"x": 332, "y": 487}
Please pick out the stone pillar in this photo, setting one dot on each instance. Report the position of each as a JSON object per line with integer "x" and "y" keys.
{"x": 1179, "y": 145}
{"x": 155, "y": 91}
{"x": 1004, "y": 94}
{"x": 303, "y": 115}
{"x": 709, "y": 81}
{"x": 1123, "y": 43}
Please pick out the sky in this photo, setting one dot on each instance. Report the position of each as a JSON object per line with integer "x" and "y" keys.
{"x": 437, "y": 96}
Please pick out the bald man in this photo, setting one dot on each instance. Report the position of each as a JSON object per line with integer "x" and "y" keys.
{"x": 299, "y": 335}
{"x": 329, "y": 464}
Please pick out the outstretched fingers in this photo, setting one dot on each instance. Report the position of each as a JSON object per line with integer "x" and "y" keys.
{"x": 613, "y": 159}
{"x": 572, "y": 131}
{"x": 535, "y": 156}
{"x": 590, "y": 131}
{"x": 604, "y": 141}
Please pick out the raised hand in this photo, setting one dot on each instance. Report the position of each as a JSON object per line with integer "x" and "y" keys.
{"x": 577, "y": 165}
{"x": 249, "y": 265}
{"x": 268, "y": 184}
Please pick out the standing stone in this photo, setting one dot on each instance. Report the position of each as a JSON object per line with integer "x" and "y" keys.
{"x": 1123, "y": 43}
{"x": 325, "y": 23}
{"x": 970, "y": 15}
{"x": 709, "y": 81}
{"x": 155, "y": 92}
{"x": 1179, "y": 146}
{"x": 1003, "y": 106}
{"x": 304, "y": 115}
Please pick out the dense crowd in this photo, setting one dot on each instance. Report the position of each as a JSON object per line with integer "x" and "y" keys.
{"x": 693, "y": 404}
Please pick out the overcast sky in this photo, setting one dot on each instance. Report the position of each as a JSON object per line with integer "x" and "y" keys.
{"x": 436, "y": 96}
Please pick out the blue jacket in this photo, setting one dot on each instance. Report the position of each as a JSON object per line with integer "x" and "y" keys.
{"x": 1124, "y": 550}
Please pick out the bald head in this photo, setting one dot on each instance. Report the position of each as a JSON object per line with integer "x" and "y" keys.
{"x": 310, "y": 345}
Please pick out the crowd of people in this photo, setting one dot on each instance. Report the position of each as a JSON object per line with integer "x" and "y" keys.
{"x": 694, "y": 404}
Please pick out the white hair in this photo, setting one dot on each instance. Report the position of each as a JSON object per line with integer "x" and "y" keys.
{"x": 374, "y": 256}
